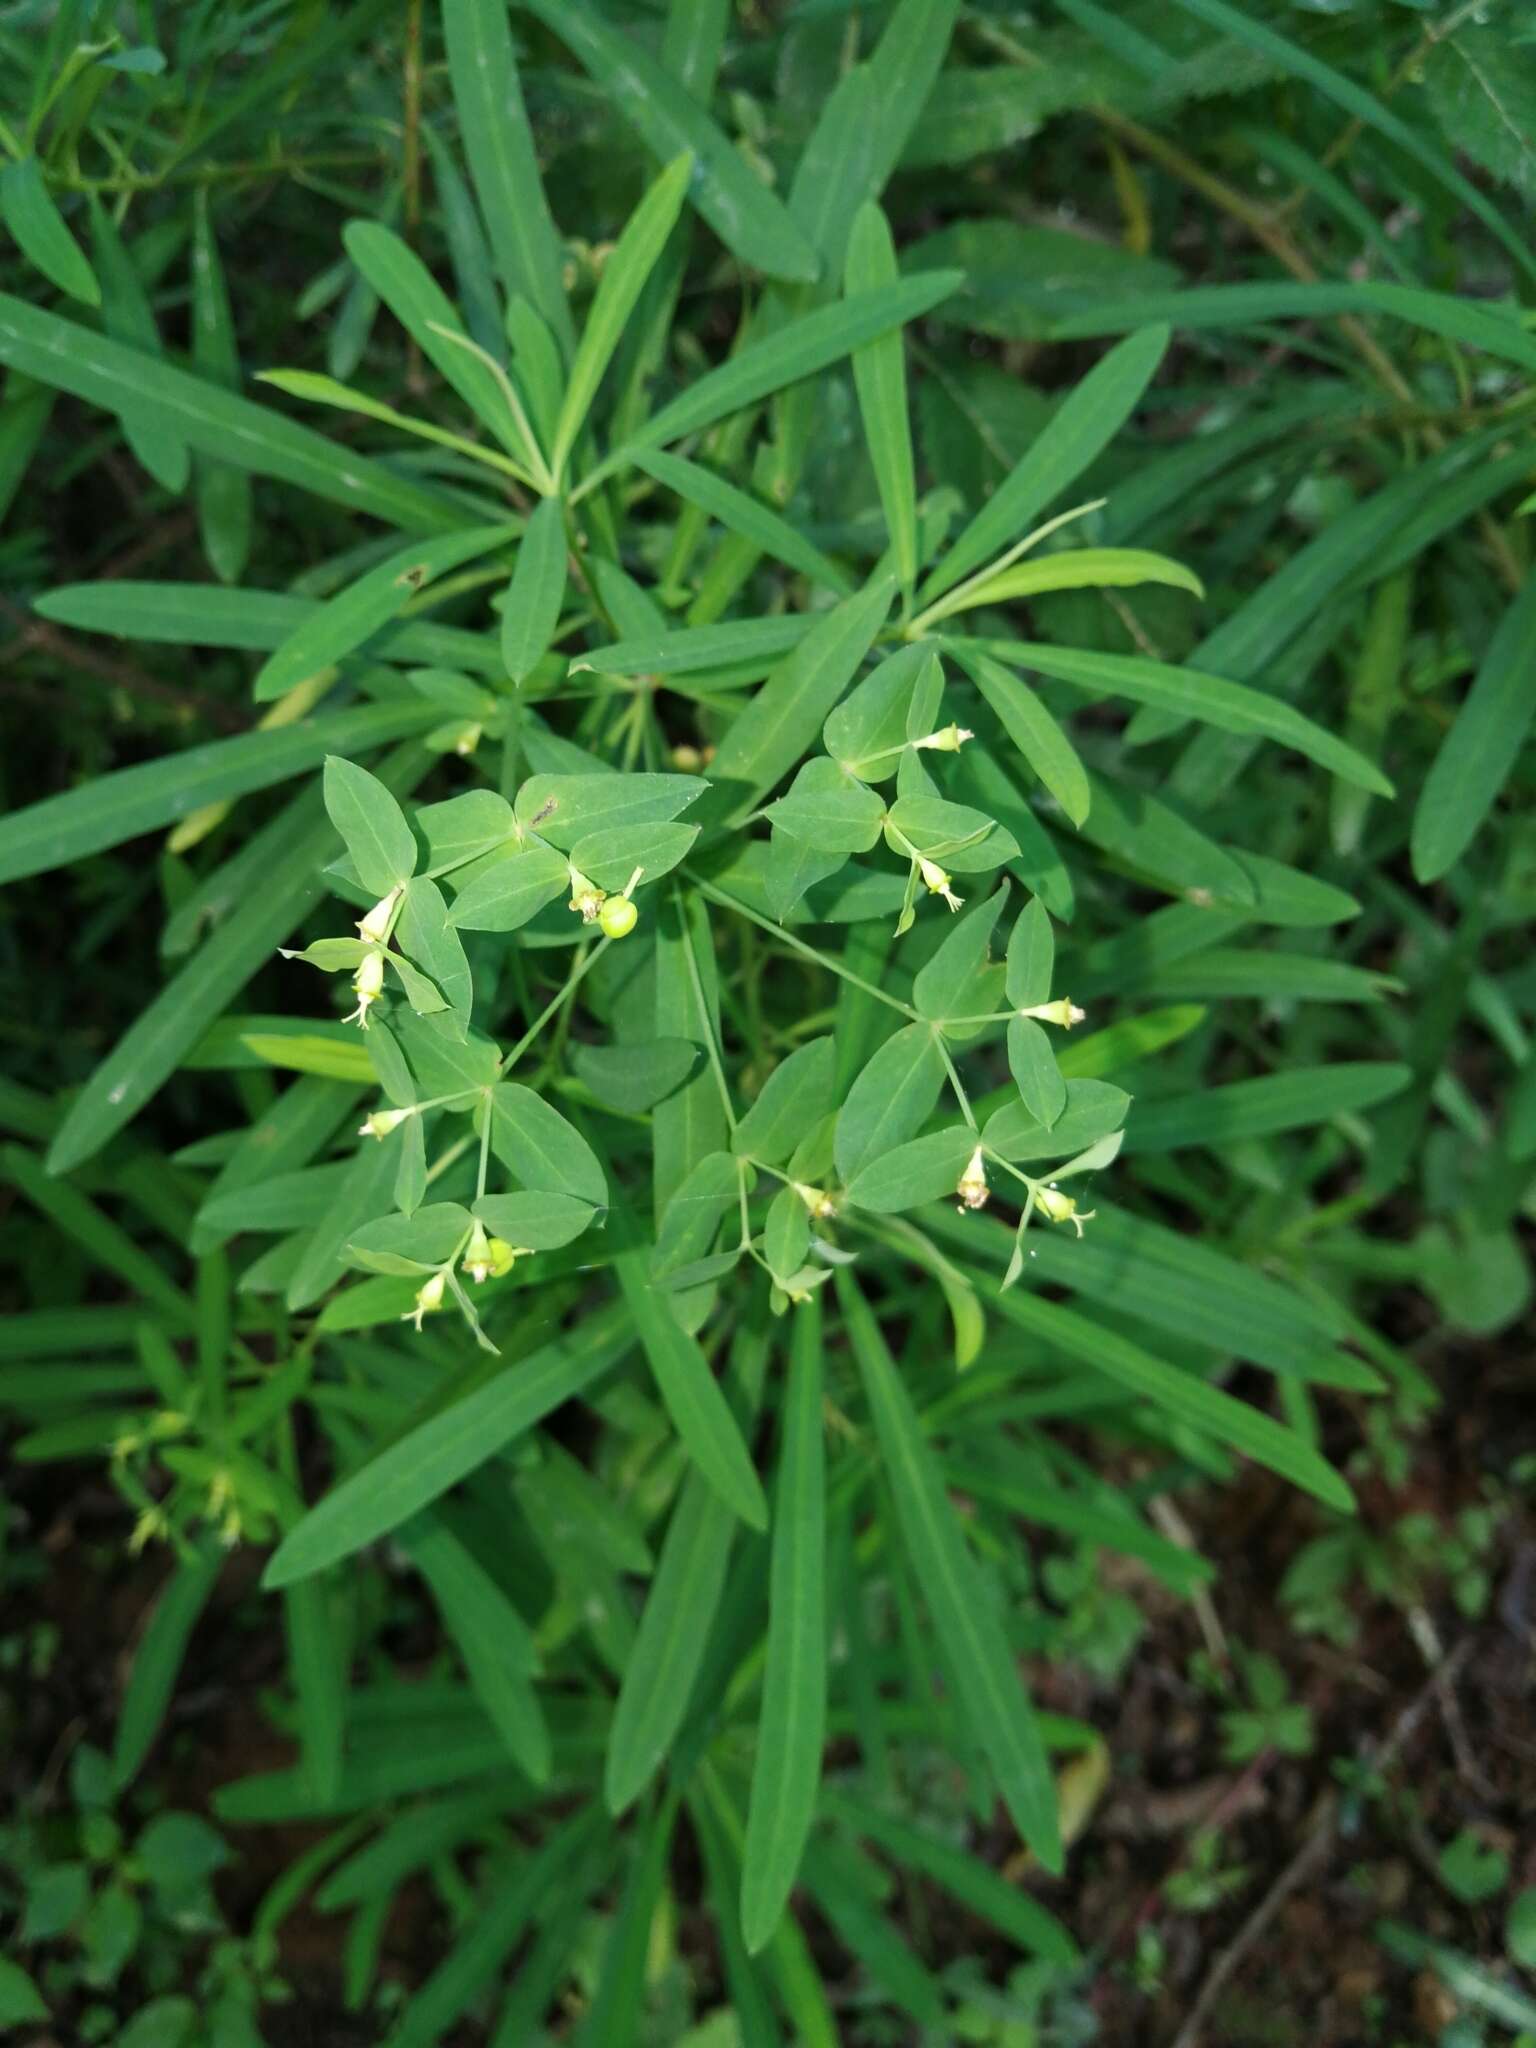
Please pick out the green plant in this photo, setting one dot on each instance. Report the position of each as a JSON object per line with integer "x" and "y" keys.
{"x": 752, "y": 812}
{"x": 106, "y": 1911}
{"x": 1271, "y": 1719}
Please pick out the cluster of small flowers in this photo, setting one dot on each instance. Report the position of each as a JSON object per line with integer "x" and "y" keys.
{"x": 974, "y": 1193}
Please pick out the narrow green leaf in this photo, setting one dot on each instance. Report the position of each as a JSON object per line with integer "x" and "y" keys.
{"x": 880, "y": 376}
{"x": 671, "y": 1642}
{"x": 224, "y": 502}
{"x": 1188, "y": 693}
{"x": 743, "y": 515}
{"x": 791, "y": 1726}
{"x": 1082, "y": 426}
{"x": 740, "y": 208}
{"x": 203, "y": 615}
{"x": 1260, "y": 1108}
{"x": 699, "y": 647}
{"x": 136, "y": 800}
{"x": 1071, "y": 569}
{"x": 1496, "y": 332}
{"x": 519, "y": 1889}
{"x": 314, "y": 1657}
{"x": 613, "y": 2018}
{"x": 1477, "y": 755}
{"x": 623, "y": 279}
{"x": 531, "y": 609}
{"x": 217, "y": 423}
{"x": 798, "y": 350}
{"x": 503, "y": 163}
{"x": 154, "y": 1046}
{"x": 961, "y": 1605}
{"x": 28, "y": 209}
{"x": 129, "y": 318}
{"x": 1207, "y": 1408}
{"x": 422, "y": 1465}
{"x": 490, "y": 1635}
{"x": 413, "y": 295}
{"x": 157, "y": 1663}
{"x": 344, "y": 622}
{"x": 691, "y": 1394}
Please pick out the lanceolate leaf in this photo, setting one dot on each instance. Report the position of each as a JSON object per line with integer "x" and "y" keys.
{"x": 137, "y": 800}
{"x": 217, "y": 423}
{"x": 1084, "y": 424}
{"x": 791, "y": 1723}
{"x": 962, "y": 1606}
{"x": 732, "y": 198}
{"x": 803, "y": 347}
{"x": 29, "y": 210}
{"x": 531, "y": 608}
{"x": 673, "y": 1638}
{"x": 1475, "y": 759}
{"x": 743, "y": 514}
{"x": 157, "y": 1663}
{"x": 880, "y": 375}
{"x": 435, "y": 1455}
{"x": 1232, "y": 706}
{"x": 1168, "y": 1386}
{"x": 502, "y": 161}
{"x": 347, "y": 620}
{"x": 1039, "y": 739}
{"x": 692, "y": 1396}
{"x": 623, "y": 279}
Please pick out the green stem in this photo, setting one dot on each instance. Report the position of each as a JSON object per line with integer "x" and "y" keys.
{"x": 955, "y": 1082}
{"x": 788, "y": 938}
{"x": 710, "y": 1042}
{"x": 572, "y": 982}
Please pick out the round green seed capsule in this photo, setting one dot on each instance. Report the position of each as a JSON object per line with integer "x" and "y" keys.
{"x": 618, "y": 917}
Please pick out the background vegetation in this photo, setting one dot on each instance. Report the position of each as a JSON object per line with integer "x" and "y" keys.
{"x": 521, "y": 1734}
